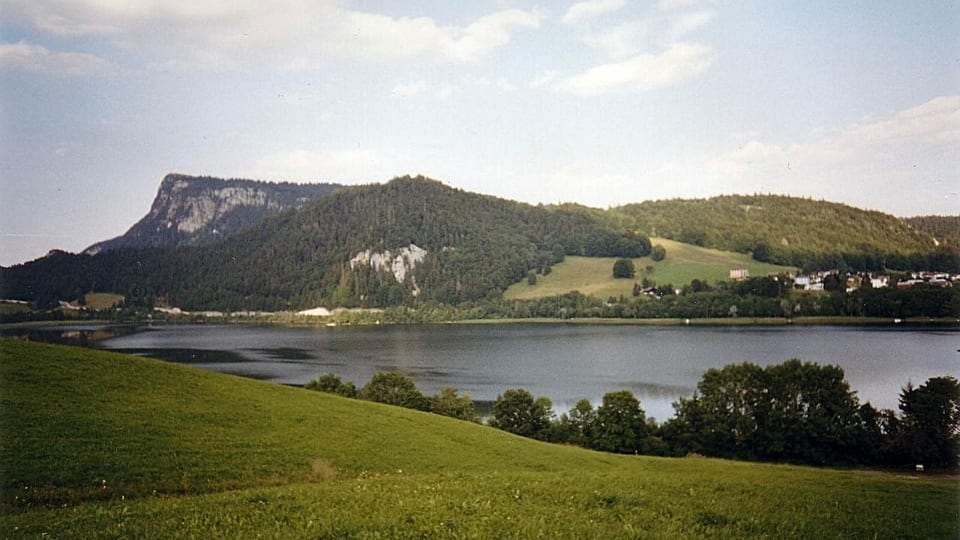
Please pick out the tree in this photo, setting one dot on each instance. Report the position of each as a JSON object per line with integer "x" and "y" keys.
{"x": 332, "y": 384}
{"x": 531, "y": 278}
{"x": 624, "y": 268}
{"x": 518, "y": 412}
{"x": 931, "y": 422}
{"x": 448, "y": 403}
{"x": 581, "y": 419}
{"x": 394, "y": 388}
{"x": 620, "y": 425}
{"x": 658, "y": 253}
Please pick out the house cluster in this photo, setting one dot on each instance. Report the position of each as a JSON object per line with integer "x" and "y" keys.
{"x": 814, "y": 281}
{"x": 936, "y": 279}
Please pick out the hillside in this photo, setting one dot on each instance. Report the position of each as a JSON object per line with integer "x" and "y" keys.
{"x": 945, "y": 229}
{"x": 378, "y": 245}
{"x": 784, "y": 230}
{"x": 684, "y": 262}
{"x": 192, "y": 210}
{"x": 101, "y": 445}
{"x": 415, "y": 241}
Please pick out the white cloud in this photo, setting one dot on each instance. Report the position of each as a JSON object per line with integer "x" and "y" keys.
{"x": 642, "y": 72}
{"x": 30, "y": 57}
{"x": 591, "y": 9}
{"x": 656, "y": 31}
{"x": 287, "y": 33}
{"x": 907, "y": 157}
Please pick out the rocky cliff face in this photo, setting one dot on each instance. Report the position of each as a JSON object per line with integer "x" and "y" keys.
{"x": 191, "y": 210}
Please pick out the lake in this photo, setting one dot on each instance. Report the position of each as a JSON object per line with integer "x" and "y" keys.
{"x": 564, "y": 362}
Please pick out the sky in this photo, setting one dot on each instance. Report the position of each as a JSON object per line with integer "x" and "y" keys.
{"x": 601, "y": 102}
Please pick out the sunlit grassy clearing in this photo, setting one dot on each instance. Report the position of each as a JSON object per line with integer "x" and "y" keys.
{"x": 594, "y": 275}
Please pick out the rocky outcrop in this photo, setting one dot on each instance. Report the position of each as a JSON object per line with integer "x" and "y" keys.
{"x": 191, "y": 210}
{"x": 399, "y": 263}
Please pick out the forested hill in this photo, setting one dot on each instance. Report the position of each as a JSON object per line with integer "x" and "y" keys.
{"x": 945, "y": 229}
{"x": 198, "y": 210}
{"x": 377, "y": 245}
{"x": 787, "y": 230}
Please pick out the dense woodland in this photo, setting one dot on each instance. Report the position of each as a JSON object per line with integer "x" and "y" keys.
{"x": 796, "y": 412}
{"x": 478, "y": 245}
{"x": 808, "y": 234}
{"x": 945, "y": 229}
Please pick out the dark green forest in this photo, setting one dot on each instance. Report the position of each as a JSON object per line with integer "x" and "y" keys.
{"x": 946, "y": 229}
{"x": 808, "y": 234}
{"x": 477, "y": 245}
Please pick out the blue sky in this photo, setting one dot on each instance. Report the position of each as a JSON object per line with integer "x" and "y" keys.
{"x": 602, "y": 102}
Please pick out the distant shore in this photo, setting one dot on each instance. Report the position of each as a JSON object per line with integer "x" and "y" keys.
{"x": 326, "y": 322}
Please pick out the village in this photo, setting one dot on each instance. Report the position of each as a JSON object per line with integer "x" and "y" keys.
{"x": 818, "y": 281}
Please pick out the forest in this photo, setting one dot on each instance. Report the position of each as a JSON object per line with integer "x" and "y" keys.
{"x": 478, "y": 245}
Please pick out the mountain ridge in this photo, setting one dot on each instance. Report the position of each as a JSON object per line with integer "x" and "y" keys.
{"x": 201, "y": 210}
{"x": 454, "y": 246}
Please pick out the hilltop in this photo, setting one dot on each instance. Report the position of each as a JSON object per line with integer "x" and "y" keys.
{"x": 413, "y": 241}
{"x": 785, "y": 230}
{"x": 102, "y": 445}
{"x": 198, "y": 210}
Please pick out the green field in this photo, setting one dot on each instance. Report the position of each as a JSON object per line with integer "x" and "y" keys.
{"x": 98, "y": 301}
{"x": 102, "y": 445}
{"x": 593, "y": 276}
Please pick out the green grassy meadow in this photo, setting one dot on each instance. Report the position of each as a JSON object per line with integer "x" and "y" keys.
{"x": 593, "y": 276}
{"x": 99, "y": 300}
{"x": 103, "y": 445}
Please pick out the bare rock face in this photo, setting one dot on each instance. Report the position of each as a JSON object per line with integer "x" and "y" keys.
{"x": 191, "y": 210}
{"x": 399, "y": 263}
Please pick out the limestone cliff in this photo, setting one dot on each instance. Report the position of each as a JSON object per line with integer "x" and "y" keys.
{"x": 191, "y": 210}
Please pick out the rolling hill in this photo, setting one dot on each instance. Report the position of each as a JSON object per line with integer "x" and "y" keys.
{"x": 410, "y": 239}
{"x": 784, "y": 230}
{"x": 414, "y": 240}
{"x": 102, "y": 445}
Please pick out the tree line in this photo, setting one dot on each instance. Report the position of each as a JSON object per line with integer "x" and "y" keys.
{"x": 796, "y": 412}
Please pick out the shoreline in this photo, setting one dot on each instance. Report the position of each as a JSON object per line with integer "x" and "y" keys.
{"x": 325, "y": 322}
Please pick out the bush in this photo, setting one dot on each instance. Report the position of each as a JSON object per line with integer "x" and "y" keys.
{"x": 658, "y": 253}
{"x": 332, "y": 384}
{"x": 394, "y": 388}
{"x": 624, "y": 268}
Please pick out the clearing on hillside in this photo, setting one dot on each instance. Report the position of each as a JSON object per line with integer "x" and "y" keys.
{"x": 593, "y": 276}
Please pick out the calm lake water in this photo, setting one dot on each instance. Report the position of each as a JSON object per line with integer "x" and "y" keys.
{"x": 562, "y": 362}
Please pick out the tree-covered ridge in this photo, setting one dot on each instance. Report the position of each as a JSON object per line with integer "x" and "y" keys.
{"x": 784, "y": 230}
{"x": 945, "y": 229}
{"x": 477, "y": 246}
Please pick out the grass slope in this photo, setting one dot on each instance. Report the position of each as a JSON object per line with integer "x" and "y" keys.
{"x": 138, "y": 448}
{"x": 684, "y": 262}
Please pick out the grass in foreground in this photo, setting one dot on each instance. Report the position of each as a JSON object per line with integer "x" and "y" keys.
{"x": 593, "y": 276}
{"x": 139, "y": 448}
